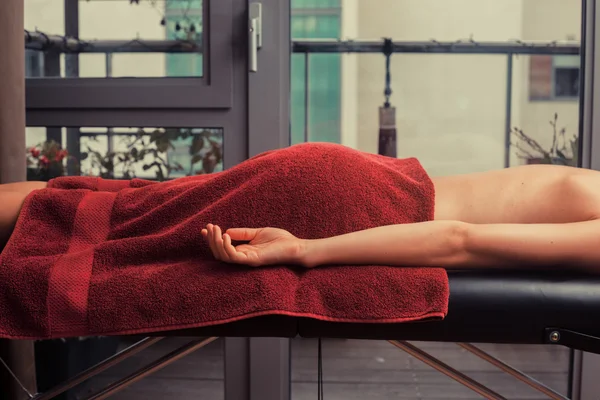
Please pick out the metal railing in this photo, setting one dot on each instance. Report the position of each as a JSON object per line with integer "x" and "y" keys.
{"x": 54, "y": 45}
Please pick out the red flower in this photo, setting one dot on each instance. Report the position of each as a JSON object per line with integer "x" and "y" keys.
{"x": 34, "y": 152}
{"x": 44, "y": 160}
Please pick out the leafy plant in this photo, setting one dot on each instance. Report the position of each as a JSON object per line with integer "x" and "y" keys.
{"x": 564, "y": 150}
{"x": 48, "y": 158}
{"x": 187, "y": 27}
{"x": 149, "y": 151}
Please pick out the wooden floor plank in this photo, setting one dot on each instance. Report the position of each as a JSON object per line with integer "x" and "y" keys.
{"x": 352, "y": 369}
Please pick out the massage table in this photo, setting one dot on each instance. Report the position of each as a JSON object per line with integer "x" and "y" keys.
{"x": 516, "y": 306}
{"x": 99, "y": 286}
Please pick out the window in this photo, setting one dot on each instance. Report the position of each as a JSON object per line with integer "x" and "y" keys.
{"x": 313, "y": 19}
{"x": 554, "y": 77}
{"x": 34, "y": 64}
{"x": 183, "y": 20}
{"x": 133, "y": 52}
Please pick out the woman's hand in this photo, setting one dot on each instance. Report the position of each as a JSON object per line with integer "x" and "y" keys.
{"x": 266, "y": 246}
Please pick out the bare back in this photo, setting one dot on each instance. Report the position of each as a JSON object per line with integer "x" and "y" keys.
{"x": 525, "y": 194}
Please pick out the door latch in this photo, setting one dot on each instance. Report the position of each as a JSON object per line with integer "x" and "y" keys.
{"x": 255, "y": 34}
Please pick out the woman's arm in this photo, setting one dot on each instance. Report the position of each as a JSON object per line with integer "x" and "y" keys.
{"x": 457, "y": 245}
{"x": 446, "y": 244}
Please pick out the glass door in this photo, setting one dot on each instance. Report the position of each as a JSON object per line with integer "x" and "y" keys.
{"x": 457, "y": 111}
{"x": 149, "y": 89}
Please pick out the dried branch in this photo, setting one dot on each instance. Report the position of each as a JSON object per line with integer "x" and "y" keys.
{"x": 527, "y": 147}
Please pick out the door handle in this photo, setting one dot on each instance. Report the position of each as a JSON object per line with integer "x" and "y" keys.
{"x": 254, "y": 34}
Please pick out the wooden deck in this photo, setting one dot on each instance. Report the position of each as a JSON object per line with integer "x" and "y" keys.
{"x": 352, "y": 369}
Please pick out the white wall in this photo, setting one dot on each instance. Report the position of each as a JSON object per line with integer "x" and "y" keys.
{"x": 548, "y": 20}
{"x": 451, "y": 108}
{"x": 349, "y": 75}
{"x": 45, "y": 15}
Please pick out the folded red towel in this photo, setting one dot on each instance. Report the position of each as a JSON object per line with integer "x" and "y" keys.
{"x": 95, "y": 257}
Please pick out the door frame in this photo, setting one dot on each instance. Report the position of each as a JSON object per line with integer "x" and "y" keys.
{"x": 585, "y": 367}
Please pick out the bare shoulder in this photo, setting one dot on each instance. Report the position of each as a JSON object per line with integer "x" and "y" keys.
{"x": 524, "y": 194}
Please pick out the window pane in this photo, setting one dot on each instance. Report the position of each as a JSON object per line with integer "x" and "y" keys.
{"x": 315, "y": 3}
{"x": 125, "y": 47}
{"x": 566, "y": 81}
{"x": 454, "y": 112}
{"x": 124, "y": 153}
{"x": 323, "y": 90}
{"x": 566, "y": 61}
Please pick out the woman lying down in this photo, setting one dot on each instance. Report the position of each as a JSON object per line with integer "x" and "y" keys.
{"x": 534, "y": 215}
{"x": 538, "y": 215}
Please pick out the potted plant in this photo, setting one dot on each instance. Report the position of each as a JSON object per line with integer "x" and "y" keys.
{"x": 563, "y": 151}
{"x": 46, "y": 161}
{"x": 166, "y": 152}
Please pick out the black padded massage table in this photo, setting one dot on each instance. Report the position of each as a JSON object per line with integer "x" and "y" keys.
{"x": 516, "y": 306}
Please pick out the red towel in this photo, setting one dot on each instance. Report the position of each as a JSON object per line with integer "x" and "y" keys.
{"x": 98, "y": 257}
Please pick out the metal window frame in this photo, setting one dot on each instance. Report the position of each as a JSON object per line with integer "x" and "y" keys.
{"x": 233, "y": 121}
{"x": 214, "y": 90}
{"x": 586, "y": 366}
{"x": 269, "y": 128}
{"x": 316, "y": 11}
{"x": 255, "y": 368}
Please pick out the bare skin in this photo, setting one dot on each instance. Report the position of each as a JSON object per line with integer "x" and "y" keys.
{"x": 12, "y": 196}
{"x": 535, "y": 215}
{"x": 540, "y": 216}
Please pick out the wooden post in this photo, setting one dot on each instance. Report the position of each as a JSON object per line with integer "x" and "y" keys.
{"x": 19, "y": 355}
{"x": 12, "y": 95}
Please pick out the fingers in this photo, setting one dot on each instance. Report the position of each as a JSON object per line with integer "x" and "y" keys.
{"x": 210, "y": 238}
{"x": 232, "y": 253}
{"x": 242, "y": 234}
{"x": 221, "y": 246}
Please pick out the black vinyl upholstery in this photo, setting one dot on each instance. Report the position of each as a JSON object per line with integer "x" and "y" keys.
{"x": 511, "y": 306}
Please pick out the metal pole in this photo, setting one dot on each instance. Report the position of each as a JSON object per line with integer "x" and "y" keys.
{"x": 73, "y": 145}
{"x": 586, "y": 384}
{"x": 68, "y": 44}
{"x": 151, "y": 368}
{"x": 72, "y": 31}
{"x": 513, "y": 372}
{"x": 109, "y": 131}
{"x": 508, "y": 115}
{"x": 447, "y": 370}
{"x": 433, "y": 46}
{"x": 52, "y": 70}
{"x": 96, "y": 369}
{"x": 306, "y": 97}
